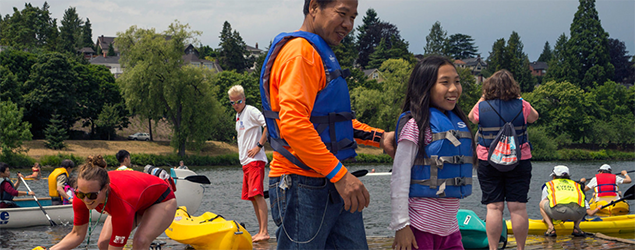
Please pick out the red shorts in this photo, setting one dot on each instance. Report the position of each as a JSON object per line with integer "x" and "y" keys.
{"x": 253, "y": 176}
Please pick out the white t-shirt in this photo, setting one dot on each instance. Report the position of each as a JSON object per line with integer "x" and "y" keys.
{"x": 249, "y": 125}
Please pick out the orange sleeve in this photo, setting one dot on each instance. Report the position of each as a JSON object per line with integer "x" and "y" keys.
{"x": 297, "y": 76}
{"x": 367, "y": 135}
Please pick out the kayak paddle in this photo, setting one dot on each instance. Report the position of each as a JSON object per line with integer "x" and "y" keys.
{"x": 202, "y": 179}
{"x": 38, "y": 203}
{"x": 358, "y": 173}
{"x": 628, "y": 195}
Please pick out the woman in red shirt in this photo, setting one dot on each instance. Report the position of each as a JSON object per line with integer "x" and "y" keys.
{"x": 132, "y": 199}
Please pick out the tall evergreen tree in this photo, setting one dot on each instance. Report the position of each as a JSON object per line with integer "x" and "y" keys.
{"x": 367, "y": 39}
{"x": 436, "y": 40}
{"x": 29, "y": 28}
{"x": 545, "y": 56}
{"x": 588, "y": 47}
{"x": 560, "y": 65}
{"x": 518, "y": 63}
{"x": 87, "y": 35}
{"x": 346, "y": 51}
{"x": 497, "y": 58}
{"x": 55, "y": 133}
{"x": 390, "y": 48}
{"x": 619, "y": 59}
{"x": 232, "y": 49}
{"x": 70, "y": 31}
{"x": 460, "y": 46}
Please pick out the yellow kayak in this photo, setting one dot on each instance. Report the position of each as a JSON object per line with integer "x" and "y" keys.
{"x": 619, "y": 208}
{"x": 607, "y": 225}
{"x": 208, "y": 231}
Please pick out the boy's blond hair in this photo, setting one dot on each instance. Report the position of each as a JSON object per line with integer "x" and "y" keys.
{"x": 236, "y": 90}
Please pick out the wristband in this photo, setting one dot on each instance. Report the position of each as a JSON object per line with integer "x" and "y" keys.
{"x": 260, "y": 145}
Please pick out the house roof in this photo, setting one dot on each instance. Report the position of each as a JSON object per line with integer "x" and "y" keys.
{"x": 539, "y": 65}
{"x": 105, "y": 41}
{"x": 105, "y": 60}
{"x": 457, "y": 61}
{"x": 473, "y": 61}
{"x": 189, "y": 58}
{"x": 254, "y": 49}
{"x": 86, "y": 50}
{"x": 367, "y": 72}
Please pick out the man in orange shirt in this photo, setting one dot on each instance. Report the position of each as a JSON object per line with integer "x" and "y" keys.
{"x": 314, "y": 200}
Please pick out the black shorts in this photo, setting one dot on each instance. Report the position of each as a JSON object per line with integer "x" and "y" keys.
{"x": 498, "y": 186}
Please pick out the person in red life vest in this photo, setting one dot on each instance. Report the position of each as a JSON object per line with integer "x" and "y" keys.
{"x": 132, "y": 200}
{"x": 604, "y": 184}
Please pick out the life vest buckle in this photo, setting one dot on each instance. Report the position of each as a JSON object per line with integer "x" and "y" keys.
{"x": 458, "y": 181}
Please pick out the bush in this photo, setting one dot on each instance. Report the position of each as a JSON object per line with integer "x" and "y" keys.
{"x": 17, "y": 160}
{"x": 543, "y": 148}
{"x": 56, "y": 160}
{"x": 583, "y": 154}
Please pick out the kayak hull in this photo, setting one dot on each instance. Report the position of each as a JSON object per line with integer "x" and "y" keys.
{"x": 189, "y": 194}
{"x": 208, "y": 231}
{"x": 607, "y": 225}
{"x": 29, "y": 214}
{"x": 619, "y": 208}
{"x": 473, "y": 230}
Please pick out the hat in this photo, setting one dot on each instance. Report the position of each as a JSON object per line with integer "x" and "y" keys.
{"x": 560, "y": 171}
{"x": 605, "y": 167}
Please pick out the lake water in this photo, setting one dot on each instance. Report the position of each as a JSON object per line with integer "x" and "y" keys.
{"x": 223, "y": 197}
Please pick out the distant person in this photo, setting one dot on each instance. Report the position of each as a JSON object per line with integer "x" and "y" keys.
{"x": 36, "y": 172}
{"x": 563, "y": 199}
{"x": 8, "y": 190}
{"x": 500, "y": 103}
{"x": 57, "y": 180}
{"x": 133, "y": 200}
{"x": 123, "y": 157}
{"x": 182, "y": 165}
{"x": 312, "y": 129}
{"x": 425, "y": 202}
{"x": 251, "y": 138}
{"x": 604, "y": 184}
{"x": 69, "y": 188}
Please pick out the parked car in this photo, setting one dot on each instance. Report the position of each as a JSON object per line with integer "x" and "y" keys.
{"x": 139, "y": 136}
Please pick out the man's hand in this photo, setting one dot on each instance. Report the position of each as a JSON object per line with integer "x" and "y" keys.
{"x": 252, "y": 152}
{"x": 387, "y": 143}
{"x": 353, "y": 193}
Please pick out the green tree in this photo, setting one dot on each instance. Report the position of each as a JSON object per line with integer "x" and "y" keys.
{"x": 30, "y": 28}
{"x": 108, "y": 120}
{"x": 519, "y": 63}
{"x": 436, "y": 40}
{"x": 460, "y": 46}
{"x": 71, "y": 31}
{"x": 55, "y": 133}
{"x": 346, "y": 52}
{"x": 497, "y": 57}
{"x": 390, "y": 48}
{"x": 380, "y": 108}
{"x": 619, "y": 59}
{"x": 111, "y": 50}
{"x": 611, "y": 114}
{"x": 8, "y": 86}
{"x": 19, "y": 63}
{"x": 96, "y": 88}
{"x": 87, "y": 35}
{"x": 51, "y": 87}
{"x": 232, "y": 50}
{"x": 560, "y": 65}
{"x": 367, "y": 39}
{"x": 545, "y": 56}
{"x": 471, "y": 91}
{"x": 13, "y": 131}
{"x": 160, "y": 86}
{"x": 588, "y": 47}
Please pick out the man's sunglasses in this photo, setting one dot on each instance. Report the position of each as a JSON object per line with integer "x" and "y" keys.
{"x": 90, "y": 196}
{"x": 236, "y": 102}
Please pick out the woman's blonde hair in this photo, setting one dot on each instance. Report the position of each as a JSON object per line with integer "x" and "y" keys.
{"x": 94, "y": 169}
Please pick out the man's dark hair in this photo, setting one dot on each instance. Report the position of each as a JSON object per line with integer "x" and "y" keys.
{"x": 122, "y": 155}
{"x": 321, "y": 3}
{"x": 67, "y": 164}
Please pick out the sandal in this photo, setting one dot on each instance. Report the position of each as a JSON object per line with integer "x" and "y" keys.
{"x": 578, "y": 233}
{"x": 551, "y": 233}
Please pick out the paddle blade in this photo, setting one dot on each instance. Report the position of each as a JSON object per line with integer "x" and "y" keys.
{"x": 630, "y": 193}
{"x": 202, "y": 179}
{"x": 360, "y": 173}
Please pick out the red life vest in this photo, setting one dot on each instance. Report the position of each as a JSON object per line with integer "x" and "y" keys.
{"x": 606, "y": 184}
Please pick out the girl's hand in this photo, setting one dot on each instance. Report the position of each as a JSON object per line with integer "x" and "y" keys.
{"x": 404, "y": 239}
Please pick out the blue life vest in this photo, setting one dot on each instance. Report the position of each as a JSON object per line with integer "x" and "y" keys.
{"x": 446, "y": 169}
{"x": 4, "y": 195}
{"x": 490, "y": 122}
{"x": 331, "y": 115}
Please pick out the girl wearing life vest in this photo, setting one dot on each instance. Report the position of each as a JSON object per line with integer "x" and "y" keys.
{"x": 132, "y": 200}
{"x": 7, "y": 189}
{"x": 501, "y": 103}
{"x": 433, "y": 162}
{"x": 604, "y": 184}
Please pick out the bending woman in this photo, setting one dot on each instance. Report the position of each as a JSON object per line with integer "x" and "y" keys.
{"x": 132, "y": 199}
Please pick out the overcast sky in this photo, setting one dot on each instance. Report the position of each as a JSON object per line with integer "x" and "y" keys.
{"x": 258, "y": 21}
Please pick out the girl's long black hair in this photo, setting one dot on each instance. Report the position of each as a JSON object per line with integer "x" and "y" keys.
{"x": 418, "y": 101}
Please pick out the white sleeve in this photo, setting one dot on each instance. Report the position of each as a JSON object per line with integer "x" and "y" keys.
{"x": 258, "y": 117}
{"x": 400, "y": 184}
{"x": 619, "y": 180}
{"x": 592, "y": 183}
{"x": 545, "y": 194}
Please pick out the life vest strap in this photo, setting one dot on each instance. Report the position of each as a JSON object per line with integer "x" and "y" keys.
{"x": 438, "y": 161}
{"x": 496, "y": 129}
{"x": 492, "y": 137}
{"x": 456, "y": 181}
{"x": 279, "y": 144}
{"x": 452, "y": 136}
{"x": 337, "y": 73}
{"x": 341, "y": 145}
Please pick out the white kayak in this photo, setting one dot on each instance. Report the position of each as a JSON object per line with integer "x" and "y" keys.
{"x": 188, "y": 193}
{"x": 29, "y": 214}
